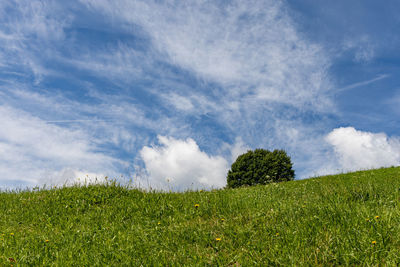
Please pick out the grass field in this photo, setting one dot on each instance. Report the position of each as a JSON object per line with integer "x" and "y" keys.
{"x": 347, "y": 219}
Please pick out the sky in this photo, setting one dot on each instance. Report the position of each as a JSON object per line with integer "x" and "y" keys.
{"x": 166, "y": 94}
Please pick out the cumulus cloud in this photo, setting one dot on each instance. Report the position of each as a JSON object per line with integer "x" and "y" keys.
{"x": 364, "y": 150}
{"x": 180, "y": 164}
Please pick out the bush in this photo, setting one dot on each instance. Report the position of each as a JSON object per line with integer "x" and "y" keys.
{"x": 260, "y": 167}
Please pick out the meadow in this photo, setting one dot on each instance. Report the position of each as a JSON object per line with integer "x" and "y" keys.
{"x": 346, "y": 219}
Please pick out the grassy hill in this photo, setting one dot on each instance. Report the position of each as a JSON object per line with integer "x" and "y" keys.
{"x": 347, "y": 219}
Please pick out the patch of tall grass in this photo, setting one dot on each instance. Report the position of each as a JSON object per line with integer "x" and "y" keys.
{"x": 346, "y": 219}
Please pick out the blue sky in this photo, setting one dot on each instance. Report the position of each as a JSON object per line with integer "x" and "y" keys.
{"x": 168, "y": 93}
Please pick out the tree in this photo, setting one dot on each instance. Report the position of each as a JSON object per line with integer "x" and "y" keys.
{"x": 260, "y": 166}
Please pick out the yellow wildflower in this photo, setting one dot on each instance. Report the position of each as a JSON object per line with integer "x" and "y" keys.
{"x": 196, "y": 205}
{"x": 222, "y": 219}
{"x": 376, "y": 217}
{"x": 218, "y": 239}
{"x": 47, "y": 241}
{"x": 373, "y": 242}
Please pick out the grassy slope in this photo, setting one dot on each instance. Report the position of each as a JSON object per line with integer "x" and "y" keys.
{"x": 327, "y": 220}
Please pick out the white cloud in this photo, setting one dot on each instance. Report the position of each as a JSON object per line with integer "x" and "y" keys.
{"x": 27, "y": 33}
{"x": 120, "y": 64}
{"x": 39, "y": 153}
{"x": 180, "y": 164}
{"x": 251, "y": 48}
{"x": 364, "y": 150}
{"x": 362, "y": 46}
{"x": 181, "y": 103}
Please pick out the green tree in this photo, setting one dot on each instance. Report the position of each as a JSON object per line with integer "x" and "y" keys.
{"x": 260, "y": 166}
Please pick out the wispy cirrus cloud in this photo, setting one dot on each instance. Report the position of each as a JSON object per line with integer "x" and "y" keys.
{"x": 38, "y": 153}
{"x": 26, "y": 28}
{"x": 249, "y": 48}
{"x": 362, "y": 46}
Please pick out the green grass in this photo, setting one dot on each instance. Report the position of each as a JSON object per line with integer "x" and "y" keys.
{"x": 330, "y": 220}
